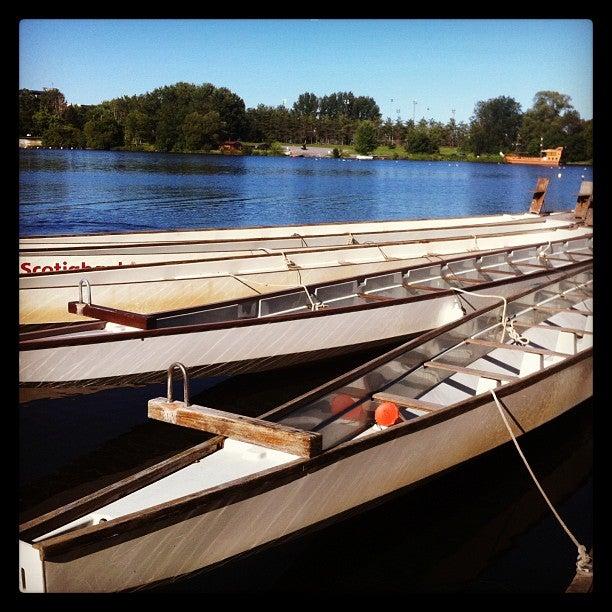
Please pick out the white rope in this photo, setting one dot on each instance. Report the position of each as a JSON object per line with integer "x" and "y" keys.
{"x": 387, "y": 258}
{"x": 504, "y": 321}
{"x": 290, "y": 264}
{"x": 542, "y": 251}
{"x": 584, "y": 562}
{"x": 296, "y": 235}
{"x": 314, "y": 305}
{"x": 475, "y": 247}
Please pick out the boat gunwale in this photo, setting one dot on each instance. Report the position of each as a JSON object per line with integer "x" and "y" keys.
{"x": 256, "y": 227}
{"x": 196, "y": 504}
{"x": 55, "y": 342}
{"x": 279, "y": 253}
{"x": 126, "y": 245}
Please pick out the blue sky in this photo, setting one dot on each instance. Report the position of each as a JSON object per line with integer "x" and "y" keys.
{"x": 442, "y": 64}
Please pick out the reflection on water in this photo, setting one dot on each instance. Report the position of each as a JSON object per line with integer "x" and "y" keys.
{"x": 89, "y": 191}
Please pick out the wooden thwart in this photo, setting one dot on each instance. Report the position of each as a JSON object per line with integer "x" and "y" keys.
{"x": 557, "y": 310}
{"x": 237, "y": 427}
{"x": 557, "y": 328}
{"x": 406, "y": 402}
{"x": 529, "y": 265}
{"x": 504, "y": 272}
{"x": 472, "y": 371}
{"x": 423, "y": 287}
{"x": 515, "y": 347}
{"x": 374, "y": 298}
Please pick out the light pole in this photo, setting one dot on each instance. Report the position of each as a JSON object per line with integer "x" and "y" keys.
{"x": 414, "y": 103}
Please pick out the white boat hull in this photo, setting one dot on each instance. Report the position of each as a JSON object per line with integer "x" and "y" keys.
{"x": 43, "y": 298}
{"x": 259, "y": 233}
{"x": 177, "y": 546}
{"x": 50, "y": 260}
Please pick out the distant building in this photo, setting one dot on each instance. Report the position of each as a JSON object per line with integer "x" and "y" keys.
{"x": 28, "y": 142}
{"x": 231, "y": 147}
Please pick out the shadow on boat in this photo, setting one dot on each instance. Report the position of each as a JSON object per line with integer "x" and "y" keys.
{"x": 71, "y": 446}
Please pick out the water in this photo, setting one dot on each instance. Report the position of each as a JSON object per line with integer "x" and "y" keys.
{"x": 94, "y": 191}
{"x": 479, "y": 528}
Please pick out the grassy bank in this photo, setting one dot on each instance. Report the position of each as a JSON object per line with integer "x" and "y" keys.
{"x": 445, "y": 154}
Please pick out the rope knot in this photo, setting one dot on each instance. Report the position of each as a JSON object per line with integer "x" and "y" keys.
{"x": 584, "y": 563}
{"x": 513, "y": 334}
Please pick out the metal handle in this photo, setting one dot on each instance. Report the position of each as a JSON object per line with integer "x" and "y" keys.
{"x": 182, "y": 368}
{"x": 82, "y": 282}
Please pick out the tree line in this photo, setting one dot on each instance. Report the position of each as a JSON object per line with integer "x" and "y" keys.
{"x": 186, "y": 117}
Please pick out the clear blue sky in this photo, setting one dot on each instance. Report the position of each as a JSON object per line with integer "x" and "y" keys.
{"x": 443, "y": 64}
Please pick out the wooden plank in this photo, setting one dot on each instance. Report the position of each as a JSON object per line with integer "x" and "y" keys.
{"x": 515, "y": 347}
{"x": 424, "y": 287}
{"x": 571, "y": 330}
{"x": 112, "y": 315}
{"x": 462, "y": 279}
{"x": 559, "y": 309}
{"x": 374, "y": 298}
{"x": 407, "y": 402}
{"x": 528, "y": 265}
{"x": 539, "y": 193}
{"x": 440, "y": 365}
{"x": 74, "y": 510}
{"x": 555, "y": 258}
{"x": 238, "y": 427}
{"x": 507, "y": 272}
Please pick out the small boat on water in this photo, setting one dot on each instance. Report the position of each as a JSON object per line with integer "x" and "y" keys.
{"x": 168, "y": 285}
{"x": 283, "y": 328}
{"x": 549, "y": 157}
{"x": 79, "y": 252}
{"x": 387, "y": 425}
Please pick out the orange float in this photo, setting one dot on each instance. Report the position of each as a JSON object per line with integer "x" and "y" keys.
{"x": 387, "y": 414}
{"x": 341, "y": 402}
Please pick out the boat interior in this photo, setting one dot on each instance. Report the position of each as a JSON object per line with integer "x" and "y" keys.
{"x": 542, "y": 328}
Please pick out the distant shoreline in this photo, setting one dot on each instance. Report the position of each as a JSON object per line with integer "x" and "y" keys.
{"x": 347, "y": 153}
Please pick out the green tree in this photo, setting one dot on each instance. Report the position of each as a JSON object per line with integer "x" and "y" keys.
{"x": 201, "y": 132}
{"x": 365, "y": 137}
{"x": 420, "y": 140}
{"x": 553, "y": 122}
{"x": 495, "y": 125}
{"x": 103, "y": 132}
{"x": 138, "y": 128}
{"x": 307, "y": 104}
{"x": 63, "y": 135}
{"x": 28, "y": 105}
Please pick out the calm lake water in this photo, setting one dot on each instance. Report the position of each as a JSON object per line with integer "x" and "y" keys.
{"x": 97, "y": 191}
{"x": 479, "y": 528}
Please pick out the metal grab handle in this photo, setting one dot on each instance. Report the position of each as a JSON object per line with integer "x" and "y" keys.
{"x": 182, "y": 368}
{"x": 82, "y": 282}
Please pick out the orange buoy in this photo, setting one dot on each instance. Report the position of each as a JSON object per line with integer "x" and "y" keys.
{"x": 387, "y": 414}
{"x": 341, "y": 402}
